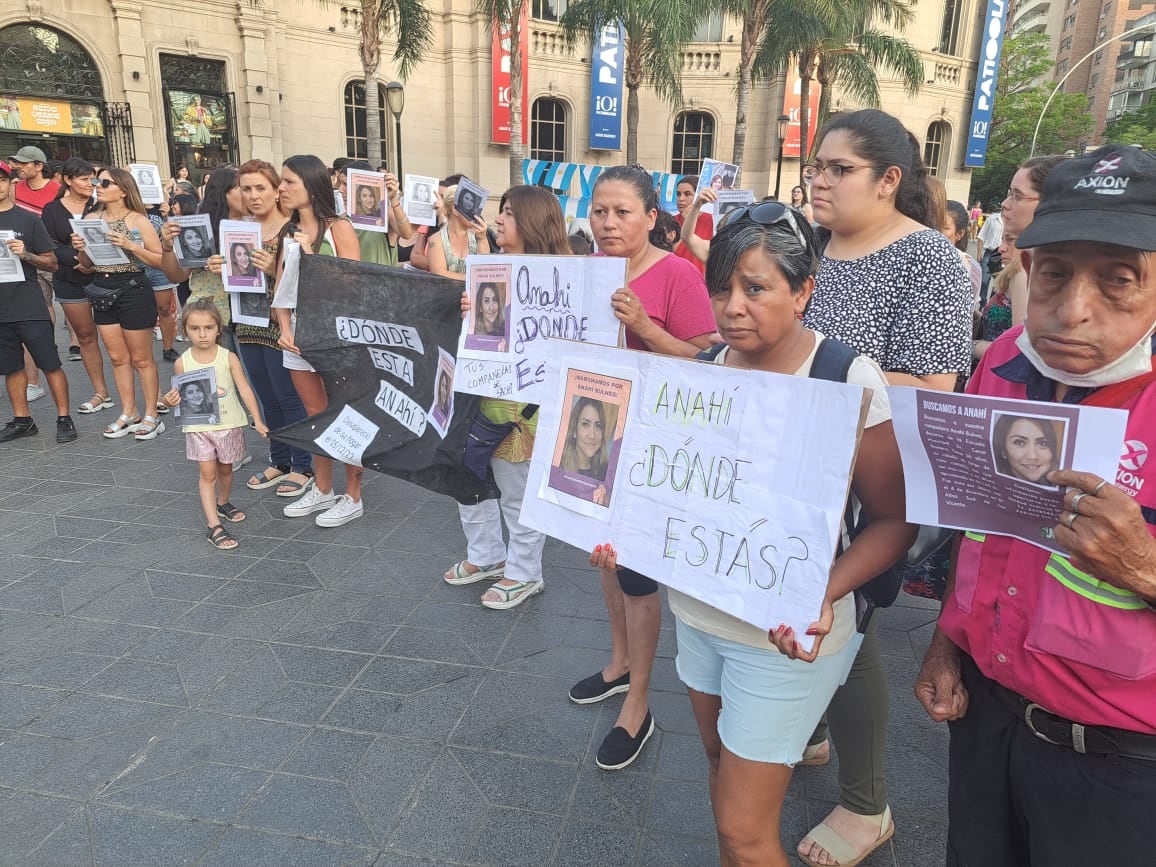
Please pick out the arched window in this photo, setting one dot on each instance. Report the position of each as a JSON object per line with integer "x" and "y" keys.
{"x": 45, "y": 62}
{"x": 937, "y": 147}
{"x": 693, "y": 142}
{"x": 356, "y": 142}
{"x": 548, "y": 130}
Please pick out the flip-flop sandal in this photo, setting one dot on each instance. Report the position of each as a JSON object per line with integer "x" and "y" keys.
{"x": 261, "y": 481}
{"x": 95, "y": 404}
{"x": 290, "y": 488}
{"x": 230, "y": 513}
{"x": 458, "y": 576}
{"x": 220, "y": 538}
{"x": 122, "y": 427}
{"x": 844, "y": 853}
{"x": 514, "y": 595}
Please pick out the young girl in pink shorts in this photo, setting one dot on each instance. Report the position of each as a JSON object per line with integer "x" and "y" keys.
{"x": 216, "y": 439}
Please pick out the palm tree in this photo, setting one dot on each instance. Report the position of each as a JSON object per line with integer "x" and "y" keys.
{"x": 657, "y": 31}
{"x": 507, "y": 16}
{"x": 412, "y": 23}
{"x": 847, "y": 52}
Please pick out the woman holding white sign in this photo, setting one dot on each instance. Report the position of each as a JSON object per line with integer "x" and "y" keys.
{"x": 529, "y": 221}
{"x": 756, "y": 695}
{"x": 665, "y": 308}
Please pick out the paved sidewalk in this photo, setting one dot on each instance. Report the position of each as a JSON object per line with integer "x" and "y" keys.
{"x": 322, "y": 697}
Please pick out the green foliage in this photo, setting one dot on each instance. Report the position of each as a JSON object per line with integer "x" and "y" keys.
{"x": 1019, "y": 100}
{"x": 409, "y": 21}
{"x": 1135, "y": 127}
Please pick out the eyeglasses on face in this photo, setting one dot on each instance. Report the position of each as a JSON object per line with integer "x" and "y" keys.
{"x": 766, "y": 214}
{"x": 1017, "y": 197}
{"x": 103, "y": 183}
{"x": 833, "y": 173}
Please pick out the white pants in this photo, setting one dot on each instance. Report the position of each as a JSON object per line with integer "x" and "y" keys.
{"x": 482, "y": 525}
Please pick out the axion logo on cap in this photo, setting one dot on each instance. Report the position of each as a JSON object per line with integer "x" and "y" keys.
{"x": 1101, "y": 181}
{"x": 1104, "y": 166}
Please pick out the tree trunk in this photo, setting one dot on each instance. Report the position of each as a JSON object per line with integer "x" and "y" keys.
{"x": 753, "y": 24}
{"x": 370, "y": 51}
{"x": 823, "y": 76}
{"x": 633, "y": 83}
{"x": 517, "y": 96}
{"x": 806, "y": 68}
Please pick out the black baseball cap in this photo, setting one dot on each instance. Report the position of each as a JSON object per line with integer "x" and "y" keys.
{"x": 1107, "y": 196}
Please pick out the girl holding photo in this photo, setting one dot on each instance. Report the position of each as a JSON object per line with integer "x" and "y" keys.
{"x": 216, "y": 447}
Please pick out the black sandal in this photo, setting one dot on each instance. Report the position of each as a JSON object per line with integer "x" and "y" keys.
{"x": 230, "y": 513}
{"x": 219, "y": 538}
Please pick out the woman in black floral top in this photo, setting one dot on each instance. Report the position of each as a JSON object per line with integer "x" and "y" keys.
{"x": 891, "y": 286}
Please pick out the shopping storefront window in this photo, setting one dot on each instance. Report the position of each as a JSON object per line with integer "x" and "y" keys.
{"x": 200, "y": 113}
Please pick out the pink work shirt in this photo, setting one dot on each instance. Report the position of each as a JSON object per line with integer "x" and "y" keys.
{"x": 1077, "y": 646}
{"x": 675, "y": 298}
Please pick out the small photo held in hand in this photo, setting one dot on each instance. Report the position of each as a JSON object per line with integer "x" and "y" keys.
{"x": 367, "y": 199}
{"x": 586, "y": 452}
{"x": 470, "y": 199}
{"x": 198, "y": 391}
{"x": 489, "y": 321}
{"x": 193, "y": 244}
{"x": 1026, "y": 448}
{"x": 250, "y": 308}
{"x": 442, "y": 409}
{"x": 238, "y": 240}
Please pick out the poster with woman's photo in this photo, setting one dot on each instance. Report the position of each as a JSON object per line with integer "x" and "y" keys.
{"x": 584, "y": 464}
{"x": 148, "y": 181}
{"x": 367, "y": 203}
{"x": 198, "y": 391}
{"x": 442, "y": 408}
{"x": 421, "y": 200}
{"x": 488, "y": 326}
{"x": 193, "y": 244}
{"x": 982, "y": 463}
{"x": 238, "y": 240}
{"x": 470, "y": 199}
{"x": 11, "y": 270}
{"x": 250, "y": 308}
{"x": 94, "y": 233}
{"x": 717, "y": 175}
{"x": 731, "y": 200}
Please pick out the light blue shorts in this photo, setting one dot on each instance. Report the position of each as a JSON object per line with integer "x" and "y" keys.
{"x": 770, "y": 704}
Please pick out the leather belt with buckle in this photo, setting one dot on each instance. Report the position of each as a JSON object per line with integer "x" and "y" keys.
{"x": 1099, "y": 740}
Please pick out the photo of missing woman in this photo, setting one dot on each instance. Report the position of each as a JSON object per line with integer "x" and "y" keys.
{"x": 193, "y": 245}
{"x": 198, "y": 391}
{"x": 589, "y": 441}
{"x": 367, "y": 205}
{"x": 442, "y": 409}
{"x": 488, "y": 326}
{"x": 1026, "y": 448}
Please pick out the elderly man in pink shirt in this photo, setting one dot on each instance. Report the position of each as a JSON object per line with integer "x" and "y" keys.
{"x": 1045, "y": 665}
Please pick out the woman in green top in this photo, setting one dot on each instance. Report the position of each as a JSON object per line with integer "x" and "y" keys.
{"x": 529, "y": 221}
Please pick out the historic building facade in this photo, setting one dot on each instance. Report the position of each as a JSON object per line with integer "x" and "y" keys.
{"x": 211, "y": 82}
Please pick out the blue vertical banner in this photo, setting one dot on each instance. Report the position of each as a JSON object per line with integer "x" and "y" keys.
{"x": 606, "y": 107}
{"x": 991, "y": 46}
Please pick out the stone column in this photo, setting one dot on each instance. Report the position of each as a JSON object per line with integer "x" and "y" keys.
{"x": 254, "y": 121}
{"x": 148, "y": 129}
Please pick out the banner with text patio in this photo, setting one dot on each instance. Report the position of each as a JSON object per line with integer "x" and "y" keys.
{"x": 994, "y": 23}
{"x": 384, "y": 341}
{"x": 520, "y": 306}
{"x": 696, "y": 484}
{"x": 606, "y": 88}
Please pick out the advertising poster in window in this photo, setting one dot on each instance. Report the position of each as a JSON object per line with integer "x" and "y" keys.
{"x": 50, "y": 116}
{"x": 197, "y": 119}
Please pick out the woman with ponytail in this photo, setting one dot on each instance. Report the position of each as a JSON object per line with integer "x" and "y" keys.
{"x": 890, "y": 285}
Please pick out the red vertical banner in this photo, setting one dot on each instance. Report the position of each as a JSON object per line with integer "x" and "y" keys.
{"x": 500, "y": 79}
{"x": 792, "y": 104}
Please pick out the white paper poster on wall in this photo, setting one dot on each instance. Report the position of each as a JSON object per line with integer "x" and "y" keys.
{"x": 728, "y": 485}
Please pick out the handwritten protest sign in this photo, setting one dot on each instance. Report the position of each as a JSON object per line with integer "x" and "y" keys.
{"x": 980, "y": 463}
{"x": 517, "y": 304}
{"x": 726, "y": 484}
{"x": 383, "y": 340}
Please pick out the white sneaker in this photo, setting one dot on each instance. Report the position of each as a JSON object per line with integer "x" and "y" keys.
{"x": 157, "y": 333}
{"x": 308, "y": 503}
{"x": 342, "y": 512}
{"x": 34, "y": 392}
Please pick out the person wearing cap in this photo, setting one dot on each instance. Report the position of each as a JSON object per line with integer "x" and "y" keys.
{"x": 24, "y": 320}
{"x": 1045, "y": 664}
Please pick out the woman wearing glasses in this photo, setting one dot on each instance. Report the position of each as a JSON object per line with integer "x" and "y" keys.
{"x": 891, "y": 286}
{"x": 1019, "y": 206}
{"x": 756, "y": 695}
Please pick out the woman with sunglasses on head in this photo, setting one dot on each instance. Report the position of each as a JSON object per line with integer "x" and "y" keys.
{"x": 756, "y": 695}
{"x": 891, "y": 286}
{"x": 69, "y": 280}
{"x": 665, "y": 308}
{"x": 307, "y": 193}
{"x": 127, "y": 327}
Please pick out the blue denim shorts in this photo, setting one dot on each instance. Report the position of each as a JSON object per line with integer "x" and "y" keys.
{"x": 770, "y": 704}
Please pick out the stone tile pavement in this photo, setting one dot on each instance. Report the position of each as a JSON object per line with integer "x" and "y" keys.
{"x": 320, "y": 697}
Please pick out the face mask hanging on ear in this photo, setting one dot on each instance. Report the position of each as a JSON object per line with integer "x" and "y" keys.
{"x": 1135, "y": 362}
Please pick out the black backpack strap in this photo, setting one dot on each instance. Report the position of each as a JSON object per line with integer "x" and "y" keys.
{"x": 712, "y": 353}
{"x": 833, "y": 360}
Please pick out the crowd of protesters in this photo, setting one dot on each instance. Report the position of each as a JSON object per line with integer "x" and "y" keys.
{"x": 1045, "y": 666}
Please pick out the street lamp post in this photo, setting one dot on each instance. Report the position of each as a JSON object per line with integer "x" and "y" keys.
{"x": 395, "y": 99}
{"x": 783, "y": 121}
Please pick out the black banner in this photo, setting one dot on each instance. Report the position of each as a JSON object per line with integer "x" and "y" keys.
{"x": 384, "y": 341}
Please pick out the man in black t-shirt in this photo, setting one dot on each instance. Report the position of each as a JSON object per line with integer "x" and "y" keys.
{"x": 24, "y": 319}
